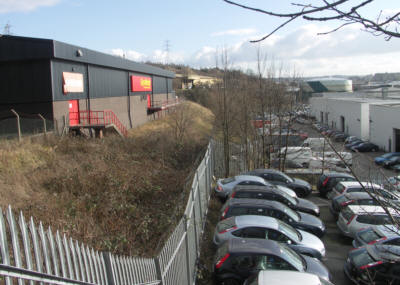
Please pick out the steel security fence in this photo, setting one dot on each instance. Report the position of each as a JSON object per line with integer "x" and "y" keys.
{"x": 46, "y": 258}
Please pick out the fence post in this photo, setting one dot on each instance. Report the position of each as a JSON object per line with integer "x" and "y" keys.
{"x": 189, "y": 275}
{"x": 158, "y": 270}
{"x": 109, "y": 270}
{"x": 18, "y": 124}
{"x": 44, "y": 123}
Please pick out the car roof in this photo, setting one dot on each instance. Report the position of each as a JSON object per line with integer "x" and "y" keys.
{"x": 253, "y": 245}
{"x": 254, "y": 187}
{"x": 351, "y": 184}
{"x": 254, "y": 220}
{"x": 337, "y": 174}
{"x": 370, "y": 209}
{"x": 290, "y": 277}
{"x": 255, "y": 202}
{"x": 249, "y": 177}
{"x": 265, "y": 170}
{"x": 358, "y": 195}
{"x": 387, "y": 230}
{"x": 260, "y": 189}
{"x": 385, "y": 252}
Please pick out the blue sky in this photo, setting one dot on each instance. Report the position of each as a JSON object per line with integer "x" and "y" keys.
{"x": 196, "y": 29}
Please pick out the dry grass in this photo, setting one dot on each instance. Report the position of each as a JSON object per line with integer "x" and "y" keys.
{"x": 120, "y": 195}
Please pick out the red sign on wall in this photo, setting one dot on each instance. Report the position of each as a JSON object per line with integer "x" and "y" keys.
{"x": 140, "y": 83}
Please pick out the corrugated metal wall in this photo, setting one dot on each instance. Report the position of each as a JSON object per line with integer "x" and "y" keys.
{"x": 105, "y": 82}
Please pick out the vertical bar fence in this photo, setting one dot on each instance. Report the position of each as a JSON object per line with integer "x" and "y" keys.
{"x": 31, "y": 254}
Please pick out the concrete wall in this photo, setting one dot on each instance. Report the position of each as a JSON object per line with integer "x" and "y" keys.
{"x": 384, "y": 119}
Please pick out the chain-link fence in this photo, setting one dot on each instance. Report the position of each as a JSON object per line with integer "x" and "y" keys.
{"x": 18, "y": 124}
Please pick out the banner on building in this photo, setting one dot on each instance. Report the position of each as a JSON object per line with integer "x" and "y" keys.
{"x": 72, "y": 82}
{"x": 140, "y": 83}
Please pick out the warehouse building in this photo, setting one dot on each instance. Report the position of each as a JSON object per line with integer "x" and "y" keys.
{"x": 371, "y": 119}
{"x": 72, "y": 85}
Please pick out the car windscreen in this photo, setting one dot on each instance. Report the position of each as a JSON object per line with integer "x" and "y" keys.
{"x": 339, "y": 187}
{"x": 347, "y": 213}
{"x": 222, "y": 251}
{"x": 226, "y": 224}
{"x": 227, "y": 180}
{"x": 292, "y": 257}
{"x": 289, "y": 231}
{"x": 369, "y": 235}
{"x": 361, "y": 258}
{"x": 287, "y": 197}
{"x": 287, "y": 177}
{"x": 292, "y": 214}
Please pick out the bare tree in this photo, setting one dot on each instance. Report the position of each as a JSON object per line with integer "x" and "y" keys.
{"x": 348, "y": 12}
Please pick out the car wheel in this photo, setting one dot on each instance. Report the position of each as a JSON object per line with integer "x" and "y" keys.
{"x": 230, "y": 281}
{"x": 300, "y": 193}
{"x": 373, "y": 149}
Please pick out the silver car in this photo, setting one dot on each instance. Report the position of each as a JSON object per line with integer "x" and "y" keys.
{"x": 344, "y": 187}
{"x": 355, "y": 218}
{"x": 274, "y": 277}
{"x": 253, "y": 226}
{"x": 225, "y": 186}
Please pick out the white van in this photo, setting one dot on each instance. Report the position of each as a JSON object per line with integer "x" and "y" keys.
{"x": 302, "y": 155}
{"x": 332, "y": 158}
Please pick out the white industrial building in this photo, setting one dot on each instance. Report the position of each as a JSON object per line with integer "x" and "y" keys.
{"x": 370, "y": 119}
{"x": 385, "y": 125}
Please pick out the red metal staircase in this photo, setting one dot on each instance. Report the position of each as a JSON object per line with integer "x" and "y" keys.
{"x": 98, "y": 120}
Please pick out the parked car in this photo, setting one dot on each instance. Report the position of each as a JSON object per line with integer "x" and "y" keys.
{"x": 391, "y": 162}
{"x": 357, "y": 198}
{"x": 274, "y": 277}
{"x": 299, "y": 220}
{"x": 376, "y": 234}
{"x": 394, "y": 182}
{"x": 381, "y": 159}
{"x": 301, "y": 187}
{"x": 344, "y": 187}
{"x": 225, "y": 186}
{"x": 288, "y": 164}
{"x": 340, "y": 137}
{"x": 253, "y": 226}
{"x": 353, "y": 218}
{"x": 288, "y": 191}
{"x": 240, "y": 258}
{"x": 297, "y": 204}
{"x": 328, "y": 180}
{"x": 365, "y": 147}
{"x": 374, "y": 264}
{"x": 349, "y": 139}
{"x": 353, "y": 143}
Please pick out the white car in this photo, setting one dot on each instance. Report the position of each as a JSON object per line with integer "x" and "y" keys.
{"x": 285, "y": 277}
{"x": 354, "y": 218}
{"x": 345, "y": 187}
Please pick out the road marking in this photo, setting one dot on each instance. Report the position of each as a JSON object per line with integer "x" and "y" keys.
{"x": 321, "y": 203}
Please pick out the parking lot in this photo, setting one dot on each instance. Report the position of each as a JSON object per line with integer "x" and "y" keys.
{"x": 337, "y": 246}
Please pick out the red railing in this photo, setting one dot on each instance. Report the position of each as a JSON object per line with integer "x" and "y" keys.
{"x": 99, "y": 118}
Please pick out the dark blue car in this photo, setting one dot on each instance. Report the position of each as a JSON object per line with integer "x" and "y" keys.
{"x": 381, "y": 159}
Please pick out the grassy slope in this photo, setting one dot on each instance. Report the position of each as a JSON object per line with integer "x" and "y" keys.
{"x": 121, "y": 195}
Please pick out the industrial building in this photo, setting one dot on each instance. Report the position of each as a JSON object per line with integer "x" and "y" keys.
{"x": 371, "y": 119}
{"x": 74, "y": 86}
{"x": 329, "y": 84}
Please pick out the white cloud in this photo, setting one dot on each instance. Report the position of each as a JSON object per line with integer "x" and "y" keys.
{"x": 237, "y": 32}
{"x": 156, "y": 56}
{"x": 7, "y": 6}
{"x": 347, "y": 51}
